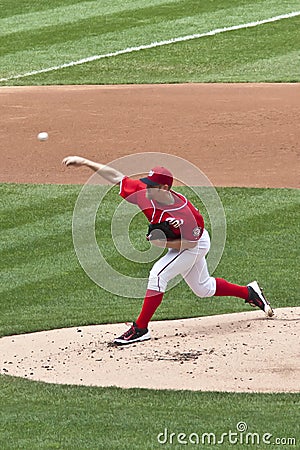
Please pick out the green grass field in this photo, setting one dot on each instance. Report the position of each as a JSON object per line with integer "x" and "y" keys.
{"x": 41, "y": 416}
{"x": 42, "y": 283}
{"x": 37, "y": 35}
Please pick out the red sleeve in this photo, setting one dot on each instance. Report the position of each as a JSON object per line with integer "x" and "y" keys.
{"x": 129, "y": 189}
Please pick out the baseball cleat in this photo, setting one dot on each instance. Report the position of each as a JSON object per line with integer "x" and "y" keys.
{"x": 134, "y": 334}
{"x": 257, "y": 298}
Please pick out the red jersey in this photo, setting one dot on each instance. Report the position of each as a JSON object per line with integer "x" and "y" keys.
{"x": 192, "y": 223}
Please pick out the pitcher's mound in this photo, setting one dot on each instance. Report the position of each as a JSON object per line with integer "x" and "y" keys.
{"x": 242, "y": 352}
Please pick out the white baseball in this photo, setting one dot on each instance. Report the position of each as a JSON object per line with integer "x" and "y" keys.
{"x": 43, "y": 136}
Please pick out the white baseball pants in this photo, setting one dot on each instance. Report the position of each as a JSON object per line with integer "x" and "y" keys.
{"x": 190, "y": 263}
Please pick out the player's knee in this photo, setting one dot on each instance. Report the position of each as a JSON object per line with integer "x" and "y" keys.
{"x": 157, "y": 282}
{"x": 206, "y": 288}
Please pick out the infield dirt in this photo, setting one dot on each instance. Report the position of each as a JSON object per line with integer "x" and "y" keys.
{"x": 238, "y": 135}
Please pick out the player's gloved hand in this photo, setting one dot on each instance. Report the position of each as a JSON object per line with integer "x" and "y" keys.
{"x": 76, "y": 161}
{"x": 160, "y": 231}
{"x": 156, "y": 235}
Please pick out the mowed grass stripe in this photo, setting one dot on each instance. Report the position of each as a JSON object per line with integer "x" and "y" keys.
{"x": 99, "y": 25}
{"x": 240, "y": 55}
{"x": 50, "y": 46}
{"x": 34, "y": 232}
{"x": 63, "y": 15}
{"x": 9, "y": 8}
{"x": 282, "y": 67}
{"x": 42, "y": 210}
{"x": 258, "y": 222}
{"x": 23, "y": 195}
{"x": 22, "y": 215}
{"x": 38, "y": 268}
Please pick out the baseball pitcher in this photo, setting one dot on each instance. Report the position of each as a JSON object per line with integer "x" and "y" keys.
{"x": 174, "y": 223}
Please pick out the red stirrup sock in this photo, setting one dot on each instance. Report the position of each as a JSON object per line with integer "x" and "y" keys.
{"x": 152, "y": 301}
{"x": 224, "y": 289}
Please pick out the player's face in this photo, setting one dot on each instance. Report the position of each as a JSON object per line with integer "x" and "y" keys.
{"x": 151, "y": 192}
{"x": 157, "y": 193}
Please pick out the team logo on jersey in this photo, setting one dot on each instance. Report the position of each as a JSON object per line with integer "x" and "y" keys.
{"x": 150, "y": 173}
{"x": 176, "y": 223}
{"x": 196, "y": 231}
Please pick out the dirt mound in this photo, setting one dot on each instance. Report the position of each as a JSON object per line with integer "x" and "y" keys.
{"x": 242, "y": 352}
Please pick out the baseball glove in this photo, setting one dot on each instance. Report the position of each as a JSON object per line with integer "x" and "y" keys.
{"x": 160, "y": 231}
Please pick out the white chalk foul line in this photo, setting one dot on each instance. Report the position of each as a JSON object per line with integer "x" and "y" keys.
{"x": 153, "y": 45}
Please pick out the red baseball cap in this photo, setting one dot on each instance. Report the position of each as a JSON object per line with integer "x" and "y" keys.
{"x": 158, "y": 175}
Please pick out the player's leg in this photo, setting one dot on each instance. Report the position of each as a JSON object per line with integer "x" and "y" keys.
{"x": 191, "y": 264}
{"x": 198, "y": 277}
{"x": 166, "y": 268}
{"x": 203, "y": 285}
